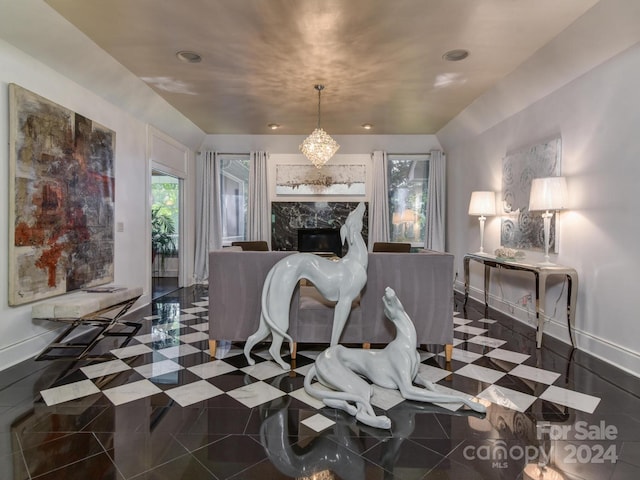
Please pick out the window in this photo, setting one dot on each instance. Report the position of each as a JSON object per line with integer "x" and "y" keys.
{"x": 408, "y": 180}
{"x": 234, "y": 191}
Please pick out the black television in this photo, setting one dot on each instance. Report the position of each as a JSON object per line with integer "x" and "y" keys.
{"x": 320, "y": 240}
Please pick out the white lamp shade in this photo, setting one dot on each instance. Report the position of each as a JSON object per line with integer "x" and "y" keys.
{"x": 549, "y": 193}
{"x": 482, "y": 203}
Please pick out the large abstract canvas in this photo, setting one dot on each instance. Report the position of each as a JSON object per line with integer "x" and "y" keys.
{"x": 522, "y": 229}
{"x": 61, "y": 212}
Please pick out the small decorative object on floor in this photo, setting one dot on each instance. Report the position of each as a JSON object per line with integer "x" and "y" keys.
{"x": 509, "y": 253}
{"x": 344, "y": 371}
{"x": 339, "y": 282}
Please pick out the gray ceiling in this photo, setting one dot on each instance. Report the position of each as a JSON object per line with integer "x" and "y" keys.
{"x": 380, "y": 60}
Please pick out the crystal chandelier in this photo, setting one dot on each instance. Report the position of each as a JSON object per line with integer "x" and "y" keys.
{"x": 319, "y": 147}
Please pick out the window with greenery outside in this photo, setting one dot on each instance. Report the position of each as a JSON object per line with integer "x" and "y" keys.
{"x": 408, "y": 179}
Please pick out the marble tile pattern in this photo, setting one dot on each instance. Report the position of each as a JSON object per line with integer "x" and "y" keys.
{"x": 161, "y": 407}
{"x": 288, "y": 217}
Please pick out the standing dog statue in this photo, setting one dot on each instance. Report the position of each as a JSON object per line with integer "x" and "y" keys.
{"x": 395, "y": 367}
{"x": 338, "y": 281}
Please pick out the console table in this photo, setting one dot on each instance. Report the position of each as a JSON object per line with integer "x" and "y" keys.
{"x": 541, "y": 272}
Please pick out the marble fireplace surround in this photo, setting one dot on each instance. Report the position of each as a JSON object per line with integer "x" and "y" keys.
{"x": 288, "y": 217}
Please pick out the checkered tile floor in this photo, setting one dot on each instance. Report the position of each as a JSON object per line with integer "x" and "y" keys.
{"x": 171, "y": 359}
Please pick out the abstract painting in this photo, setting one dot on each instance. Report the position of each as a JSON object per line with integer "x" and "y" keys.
{"x": 329, "y": 180}
{"x": 61, "y": 211}
{"x": 520, "y": 228}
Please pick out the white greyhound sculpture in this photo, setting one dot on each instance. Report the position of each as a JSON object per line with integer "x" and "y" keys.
{"x": 338, "y": 281}
{"x": 395, "y": 367}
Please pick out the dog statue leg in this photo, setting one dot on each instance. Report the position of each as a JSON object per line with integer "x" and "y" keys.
{"x": 340, "y": 315}
{"x": 259, "y": 335}
{"x": 431, "y": 395}
{"x": 274, "y": 350}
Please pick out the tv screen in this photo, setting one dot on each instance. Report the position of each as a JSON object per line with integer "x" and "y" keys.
{"x": 320, "y": 240}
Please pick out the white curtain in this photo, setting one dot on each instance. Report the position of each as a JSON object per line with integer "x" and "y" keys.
{"x": 208, "y": 213}
{"x": 436, "y": 204}
{"x": 379, "y": 205}
{"x": 258, "y": 222}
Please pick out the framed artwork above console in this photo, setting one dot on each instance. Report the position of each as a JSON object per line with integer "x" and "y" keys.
{"x": 520, "y": 228}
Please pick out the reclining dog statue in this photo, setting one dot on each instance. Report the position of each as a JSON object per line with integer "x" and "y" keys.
{"x": 344, "y": 371}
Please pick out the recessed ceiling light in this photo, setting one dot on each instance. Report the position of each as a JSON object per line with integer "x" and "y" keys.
{"x": 456, "y": 55}
{"x": 367, "y": 126}
{"x": 273, "y": 126}
{"x": 189, "y": 57}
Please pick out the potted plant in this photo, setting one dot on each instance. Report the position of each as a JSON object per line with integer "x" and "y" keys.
{"x": 162, "y": 231}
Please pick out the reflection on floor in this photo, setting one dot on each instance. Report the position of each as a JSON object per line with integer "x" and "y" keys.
{"x": 162, "y": 408}
{"x": 161, "y": 286}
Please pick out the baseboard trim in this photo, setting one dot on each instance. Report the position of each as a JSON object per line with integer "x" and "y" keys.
{"x": 620, "y": 357}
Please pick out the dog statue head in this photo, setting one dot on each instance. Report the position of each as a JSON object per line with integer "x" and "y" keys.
{"x": 352, "y": 225}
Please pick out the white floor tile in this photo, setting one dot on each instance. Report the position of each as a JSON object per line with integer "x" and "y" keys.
{"x": 486, "y": 320}
{"x": 463, "y": 355}
{"x": 212, "y": 369}
{"x": 385, "y": 398}
{"x": 202, "y": 327}
{"x": 203, "y": 303}
{"x": 158, "y": 368}
{"x": 318, "y": 422}
{"x": 187, "y": 316}
{"x": 453, "y": 405}
{"x": 193, "y": 392}
{"x": 227, "y": 350}
{"x": 483, "y": 374}
{"x": 425, "y": 355}
{"x": 263, "y": 370}
{"x": 429, "y": 373}
{"x": 571, "y": 399}
{"x": 470, "y": 330}
{"x": 304, "y": 397}
{"x": 507, "y": 355}
{"x": 149, "y": 338}
{"x": 461, "y": 321}
{"x": 179, "y": 351}
{"x": 151, "y": 317}
{"x": 70, "y": 391}
{"x": 304, "y": 370}
{"x": 457, "y": 341}
{"x": 535, "y": 374}
{"x": 505, "y": 397}
{"x": 255, "y": 394}
{"x": 105, "y": 368}
{"x": 193, "y": 337}
{"x": 131, "y": 351}
{"x": 131, "y": 391}
{"x": 487, "y": 341}
{"x": 193, "y": 310}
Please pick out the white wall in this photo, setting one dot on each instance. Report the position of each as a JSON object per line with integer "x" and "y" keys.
{"x": 20, "y": 336}
{"x": 597, "y": 116}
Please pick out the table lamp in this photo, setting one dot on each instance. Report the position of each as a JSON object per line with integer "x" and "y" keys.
{"x": 548, "y": 194}
{"x": 482, "y": 204}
